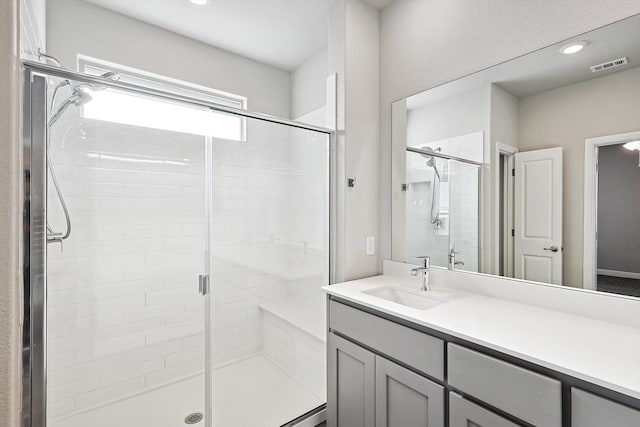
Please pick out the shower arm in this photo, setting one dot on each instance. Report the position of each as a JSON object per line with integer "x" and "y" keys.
{"x": 50, "y": 58}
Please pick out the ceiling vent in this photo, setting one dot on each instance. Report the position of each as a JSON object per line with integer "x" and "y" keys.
{"x": 609, "y": 65}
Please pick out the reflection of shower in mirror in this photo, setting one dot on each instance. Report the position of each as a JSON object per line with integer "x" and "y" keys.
{"x": 435, "y": 189}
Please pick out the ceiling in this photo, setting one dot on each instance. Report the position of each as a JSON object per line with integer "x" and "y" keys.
{"x": 547, "y": 68}
{"x": 282, "y": 33}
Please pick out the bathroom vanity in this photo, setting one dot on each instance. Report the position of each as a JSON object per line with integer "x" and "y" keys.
{"x": 478, "y": 351}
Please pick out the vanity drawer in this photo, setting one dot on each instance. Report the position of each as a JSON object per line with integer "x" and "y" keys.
{"x": 589, "y": 410}
{"x": 463, "y": 413}
{"x": 527, "y": 395}
{"x": 416, "y": 349}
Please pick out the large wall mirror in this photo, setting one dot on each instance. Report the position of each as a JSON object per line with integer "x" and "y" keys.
{"x": 528, "y": 169}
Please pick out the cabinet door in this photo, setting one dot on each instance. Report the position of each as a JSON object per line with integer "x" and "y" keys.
{"x": 406, "y": 399}
{"x": 463, "y": 413}
{"x": 589, "y": 410}
{"x": 351, "y": 384}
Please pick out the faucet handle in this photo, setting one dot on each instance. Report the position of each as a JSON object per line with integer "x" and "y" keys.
{"x": 426, "y": 261}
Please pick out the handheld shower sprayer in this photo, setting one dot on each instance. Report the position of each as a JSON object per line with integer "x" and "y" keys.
{"x": 79, "y": 96}
{"x": 435, "y": 191}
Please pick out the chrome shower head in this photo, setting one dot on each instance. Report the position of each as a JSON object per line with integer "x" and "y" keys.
{"x": 78, "y": 97}
{"x": 431, "y": 160}
{"x": 79, "y": 94}
{"x": 429, "y": 150}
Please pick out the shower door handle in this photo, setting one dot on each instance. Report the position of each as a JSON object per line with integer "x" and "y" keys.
{"x": 203, "y": 284}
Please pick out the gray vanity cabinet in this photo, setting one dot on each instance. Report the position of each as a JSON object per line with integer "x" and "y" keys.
{"x": 463, "y": 413}
{"x": 351, "y": 384}
{"x": 367, "y": 390}
{"x": 383, "y": 373}
{"x": 406, "y": 399}
{"x": 589, "y": 410}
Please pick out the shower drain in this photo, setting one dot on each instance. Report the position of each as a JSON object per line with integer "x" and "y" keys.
{"x": 194, "y": 418}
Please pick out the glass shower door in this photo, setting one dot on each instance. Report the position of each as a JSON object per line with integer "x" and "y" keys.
{"x": 465, "y": 202}
{"x": 126, "y": 322}
{"x": 270, "y": 257}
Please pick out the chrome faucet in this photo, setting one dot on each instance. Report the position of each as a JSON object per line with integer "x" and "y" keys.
{"x": 452, "y": 259}
{"x": 426, "y": 266}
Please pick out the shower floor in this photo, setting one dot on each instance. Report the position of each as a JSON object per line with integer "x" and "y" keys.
{"x": 252, "y": 392}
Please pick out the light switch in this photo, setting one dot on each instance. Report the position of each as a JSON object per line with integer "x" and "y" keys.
{"x": 371, "y": 245}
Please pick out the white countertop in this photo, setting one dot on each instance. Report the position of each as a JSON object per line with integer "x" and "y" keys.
{"x": 597, "y": 351}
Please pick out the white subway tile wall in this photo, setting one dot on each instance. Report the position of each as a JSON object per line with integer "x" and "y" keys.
{"x": 297, "y": 352}
{"x": 124, "y": 312}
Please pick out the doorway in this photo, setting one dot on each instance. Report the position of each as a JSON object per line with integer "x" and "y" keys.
{"x": 618, "y": 203}
{"x": 610, "y": 203}
{"x": 530, "y": 214}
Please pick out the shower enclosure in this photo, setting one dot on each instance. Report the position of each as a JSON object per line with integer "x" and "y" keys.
{"x": 442, "y": 208}
{"x": 175, "y": 251}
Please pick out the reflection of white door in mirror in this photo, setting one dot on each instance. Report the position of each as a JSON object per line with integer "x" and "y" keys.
{"x": 538, "y": 215}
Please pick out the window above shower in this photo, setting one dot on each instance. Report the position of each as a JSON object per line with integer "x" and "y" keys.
{"x": 137, "y": 110}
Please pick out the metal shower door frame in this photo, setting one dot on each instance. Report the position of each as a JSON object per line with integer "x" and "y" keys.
{"x": 34, "y": 331}
{"x": 34, "y": 327}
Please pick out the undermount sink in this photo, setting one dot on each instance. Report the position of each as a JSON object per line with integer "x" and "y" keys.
{"x": 410, "y": 298}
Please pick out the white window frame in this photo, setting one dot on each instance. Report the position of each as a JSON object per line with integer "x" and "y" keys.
{"x": 95, "y": 66}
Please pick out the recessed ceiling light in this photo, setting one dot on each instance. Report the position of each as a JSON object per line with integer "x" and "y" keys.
{"x": 632, "y": 145}
{"x": 573, "y": 47}
{"x": 199, "y": 2}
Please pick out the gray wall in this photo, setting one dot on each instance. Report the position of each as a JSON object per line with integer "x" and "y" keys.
{"x": 10, "y": 214}
{"x": 353, "y": 55}
{"x": 565, "y": 117}
{"x": 361, "y": 130}
{"x": 618, "y": 208}
{"x": 75, "y": 27}
{"x": 427, "y": 43}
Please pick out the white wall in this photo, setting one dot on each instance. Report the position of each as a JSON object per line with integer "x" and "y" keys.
{"x": 450, "y": 117}
{"x": 10, "y": 214}
{"x": 565, "y": 117}
{"x": 309, "y": 85}
{"x": 504, "y": 117}
{"x": 422, "y": 45}
{"x": 76, "y": 27}
{"x": 502, "y": 130}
